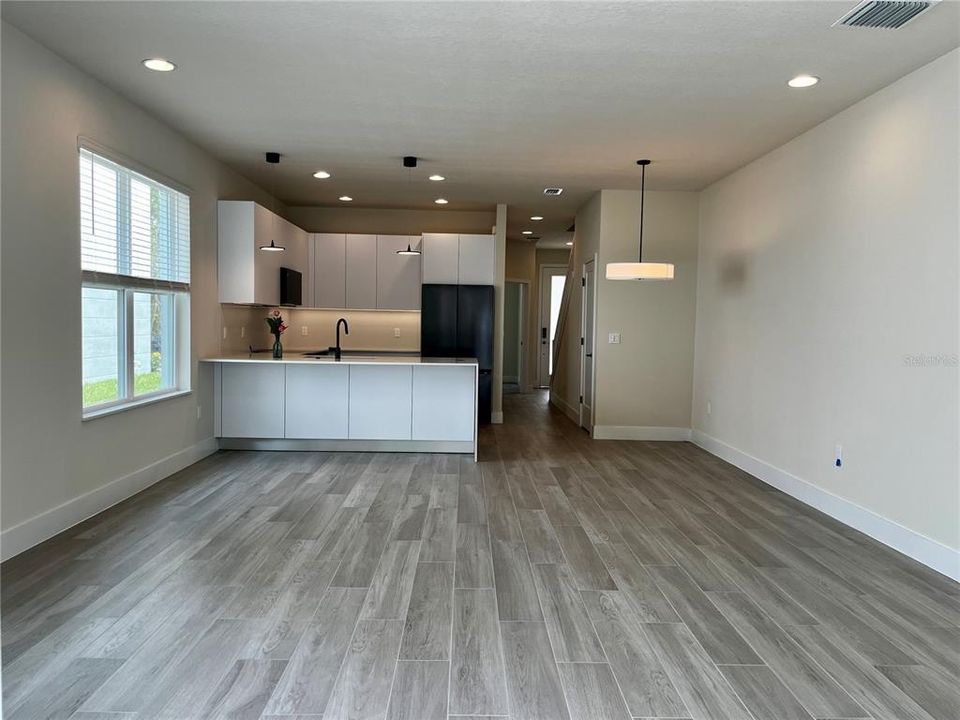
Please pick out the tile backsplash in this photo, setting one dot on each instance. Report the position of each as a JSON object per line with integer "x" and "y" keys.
{"x": 369, "y": 329}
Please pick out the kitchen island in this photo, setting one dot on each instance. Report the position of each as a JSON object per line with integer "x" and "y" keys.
{"x": 362, "y": 402}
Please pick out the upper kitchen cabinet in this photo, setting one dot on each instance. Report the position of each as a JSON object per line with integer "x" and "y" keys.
{"x": 246, "y": 274}
{"x": 329, "y": 270}
{"x": 440, "y": 258}
{"x": 361, "y": 272}
{"x": 477, "y": 259}
{"x": 451, "y": 259}
{"x": 398, "y": 276}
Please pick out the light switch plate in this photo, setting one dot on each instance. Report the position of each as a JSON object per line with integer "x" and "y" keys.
{"x": 303, "y": 330}
{"x": 396, "y": 332}
{"x": 613, "y": 339}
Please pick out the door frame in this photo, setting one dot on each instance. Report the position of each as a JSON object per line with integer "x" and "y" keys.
{"x": 524, "y": 311}
{"x": 540, "y": 286}
{"x": 583, "y": 345}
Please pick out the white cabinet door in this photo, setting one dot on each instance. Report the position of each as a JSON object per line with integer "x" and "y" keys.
{"x": 266, "y": 281}
{"x": 297, "y": 257}
{"x": 361, "y": 275}
{"x": 440, "y": 258}
{"x": 444, "y": 402}
{"x": 398, "y": 276}
{"x": 380, "y": 402}
{"x": 251, "y": 400}
{"x": 329, "y": 270}
{"x": 235, "y": 251}
{"x": 317, "y": 401}
{"x": 477, "y": 259}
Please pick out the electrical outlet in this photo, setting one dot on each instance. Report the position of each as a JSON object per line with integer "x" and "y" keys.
{"x": 709, "y": 408}
{"x": 303, "y": 330}
{"x": 838, "y": 455}
{"x": 396, "y": 332}
{"x": 243, "y": 331}
{"x": 613, "y": 339}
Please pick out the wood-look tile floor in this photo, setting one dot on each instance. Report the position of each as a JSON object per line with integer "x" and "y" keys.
{"x": 558, "y": 578}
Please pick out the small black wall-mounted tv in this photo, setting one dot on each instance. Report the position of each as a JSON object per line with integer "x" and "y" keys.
{"x": 291, "y": 287}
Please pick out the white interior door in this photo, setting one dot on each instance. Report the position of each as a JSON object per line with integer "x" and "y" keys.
{"x": 586, "y": 352}
{"x": 552, "y": 280}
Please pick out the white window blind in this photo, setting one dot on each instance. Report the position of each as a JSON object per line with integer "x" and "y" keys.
{"x": 134, "y": 230}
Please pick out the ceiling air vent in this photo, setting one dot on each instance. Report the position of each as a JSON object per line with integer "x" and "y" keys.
{"x": 885, "y": 13}
{"x": 552, "y": 191}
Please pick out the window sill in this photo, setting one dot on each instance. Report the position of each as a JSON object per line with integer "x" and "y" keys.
{"x": 94, "y": 413}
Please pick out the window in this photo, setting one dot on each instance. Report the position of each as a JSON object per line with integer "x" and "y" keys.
{"x": 135, "y": 301}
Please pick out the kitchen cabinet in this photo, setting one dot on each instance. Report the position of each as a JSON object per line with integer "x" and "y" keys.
{"x": 477, "y": 259}
{"x": 398, "y": 276}
{"x": 252, "y": 401}
{"x": 361, "y": 272}
{"x": 329, "y": 270}
{"x": 316, "y": 401}
{"x": 380, "y": 402}
{"x": 440, "y": 259}
{"x": 246, "y": 274}
{"x": 451, "y": 259}
{"x": 444, "y": 403}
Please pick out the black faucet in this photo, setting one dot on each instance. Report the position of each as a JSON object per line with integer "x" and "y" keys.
{"x": 346, "y": 331}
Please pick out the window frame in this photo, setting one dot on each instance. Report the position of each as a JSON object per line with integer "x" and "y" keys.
{"x": 127, "y": 286}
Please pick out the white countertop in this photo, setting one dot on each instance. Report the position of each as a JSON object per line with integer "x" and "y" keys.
{"x": 372, "y": 358}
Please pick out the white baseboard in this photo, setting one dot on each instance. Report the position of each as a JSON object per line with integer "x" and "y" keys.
{"x": 34, "y": 531}
{"x": 565, "y": 407}
{"x": 931, "y": 553}
{"x": 496, "y": 418}
{"x": 638, "y": 432}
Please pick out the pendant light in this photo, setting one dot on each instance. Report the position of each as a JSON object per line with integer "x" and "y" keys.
{"x": 273, "y": 158}
{"x": 640, "y": 270}
{"x": 408, "y": 251}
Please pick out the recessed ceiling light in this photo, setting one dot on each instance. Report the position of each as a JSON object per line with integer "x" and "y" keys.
{"x": 569, "y": 242}
{"x": 441, "y": 201}
{"x": 527, "y": 232}
{"x": 437, "y": 178}
{"x": 536, "y": 218}
{"x": 346, "y": 198}
{"x": 803, "y": 81}
{"x": 159, "y": 64}
{"x": 321, "y": 174}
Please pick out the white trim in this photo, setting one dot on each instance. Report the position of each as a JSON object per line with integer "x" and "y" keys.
{"x": 44, "y": 526}
{"x": 639, "y": 432}
{"x": 466, "y": 447}
{"x": 564, "y": 407}
{"x": 496, "y": 418}
{"x": 930, "y": 552}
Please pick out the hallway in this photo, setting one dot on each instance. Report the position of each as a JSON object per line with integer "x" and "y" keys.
{"x": 559, "y": 577}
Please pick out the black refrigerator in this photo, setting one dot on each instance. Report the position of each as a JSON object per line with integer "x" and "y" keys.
{"x": 457, "y": 321}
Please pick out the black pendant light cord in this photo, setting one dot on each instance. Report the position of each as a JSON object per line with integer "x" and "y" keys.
{"x": 643, "y": 183}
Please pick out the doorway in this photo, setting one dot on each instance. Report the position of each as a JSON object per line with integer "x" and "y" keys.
{"x": 552, "y": 280}
{"x": 588, "y": 305}
{"x": 515, "y": 336}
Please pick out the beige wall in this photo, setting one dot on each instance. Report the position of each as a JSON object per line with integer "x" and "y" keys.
{"x": 646, "y": 381}
{"x": 387, "y": 221}
{"x": 825, "y": 267}
{"x": 565, "y": 384}
{"x": 57, "y": 469}
{"x": 369, "y": 329}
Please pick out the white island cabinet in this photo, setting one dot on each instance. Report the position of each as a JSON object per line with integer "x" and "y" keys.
{"x": 374, "y": 403}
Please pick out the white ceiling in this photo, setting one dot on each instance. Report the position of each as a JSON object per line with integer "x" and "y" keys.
{"x": 502, "y": 98}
